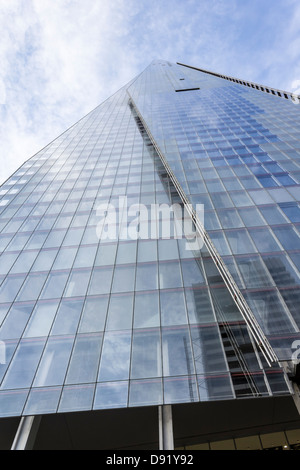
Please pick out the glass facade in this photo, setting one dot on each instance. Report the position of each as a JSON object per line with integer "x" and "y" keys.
{"x": 92, "y": 321}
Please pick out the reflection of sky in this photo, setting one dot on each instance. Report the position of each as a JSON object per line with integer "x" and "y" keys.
{"x": 58, "y": 62}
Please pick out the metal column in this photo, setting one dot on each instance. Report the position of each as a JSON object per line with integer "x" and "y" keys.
{"x": 165, "y": 421}
{"x": 26, "y": 433}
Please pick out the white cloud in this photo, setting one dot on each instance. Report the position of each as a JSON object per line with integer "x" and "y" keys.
{"x": 61, "y": 58}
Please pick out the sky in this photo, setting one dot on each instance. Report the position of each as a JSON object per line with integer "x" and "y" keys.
{"x": 59, "y": 59}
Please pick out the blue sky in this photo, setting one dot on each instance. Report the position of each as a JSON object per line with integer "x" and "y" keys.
{"x": 61, "y": 58}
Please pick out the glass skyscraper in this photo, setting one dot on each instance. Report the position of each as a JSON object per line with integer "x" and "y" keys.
{"x": 110, "y": 308}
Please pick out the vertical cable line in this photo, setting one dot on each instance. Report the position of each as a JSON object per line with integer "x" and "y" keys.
{"x": 232, "y": 287}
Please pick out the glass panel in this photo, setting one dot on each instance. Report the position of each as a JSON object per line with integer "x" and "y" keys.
{"x": 124, "y": 278}
{"x": 100, "y": 281}
{"x": 115, "y": 356}
{"x": 147, "y": 250}
{"x": 254, "y": 271}
{"x": 251, "y": 217}
{"x": 199, "y": 306}
{"x": 126, "y": 253}
{"x": 65, "y": 258}
{"x": 94, "y": 315}
{"x": 169, "y": 275}
{"x": 120, "y": 312}
{"x": 147, "y": 277}
{"x": 31, "y": 287}
{"x": 44, "y": 260}
{"x": 16, "y": 321}
{"x": 288, "y": 237}
{"x": 281, "y": 270}
{"x": 180, "y": 390}
{"x": 240, "y": 242}
{"x": 53, "y": 365}
{"x": 264, "y": 240}
{"x": 24, "y": 262}
{"x": 85, "y": 257}
{"x": 42, "y": 401}
{"x": 77, "y": 283}
{"x": 270, "y": 312}
{"x": 67, "y": 318}
{"x": 146, "y": 354}
{"x": 76, "y": 398}
{"x": 106, "y": 254}
{"x": 85, "y": 358}
{"x": 12, "y": 403}
{"x": 24, "y": 363}
{"x": 229, "y": 218}
{"x": 10, "y": 287}
{"x": 6, "y": 262}
{"x": 111, "y": 395}
{"x": 192, "y": 273}
{"x": 208, "y": 350}
{"x": 54, "y": 286}
{"x": 145, "y": 392}
{"x": 173, "y": 310}
{"x": 146, "y": 310}
{"x": 41, "y": 319}
{"x": 215, "y": 387}
{"x": 177, "y": 352}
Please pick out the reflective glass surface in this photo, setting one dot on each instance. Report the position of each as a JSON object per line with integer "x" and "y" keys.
{"x": 92, "y": 318}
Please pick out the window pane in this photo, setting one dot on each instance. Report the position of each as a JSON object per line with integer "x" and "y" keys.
{"x": 270, "y": 312}
{"x": 264, "y": 240}
{"x": 42, "y": 401}
{"x": 173, "y": 310}
{"x": 240, "y": 242}
{"x": 31, "y": 287}
{"x": 208, "y": 350}
{"x": 78, "y": 283}
{"x": 101, "y": 281}
{"x": 41, "y": 319}
{"x": 146, "y": 310}
{"x": 180, "y": 390}
{"x": 146, "y": 354}
{"x": 177, "y": 352}
{"x": 85, "y": 257}
{"x": 67, "y": 318}
{"x": 147, "y": 277}
{"x": 115, "y": 356}
{"x": 170, "y": 275}
{"x": 23, "y": 366}
{"x": 288, "y": 237}
{"x": 76, "y": 398}
{"x": 44, "y": 260}
{"x": 192, "y": 273}
{"x": 120, "y": 312}
{"x": 54, "y": 286}
{"x": 199, "y": 306}
{"x": 124, "y": 277}
{"x": 10, "y": 288}
{"x": 145, "y": 392}
{"x": 16, "y": 321}
{"x": 213, "y": 387}
{"x": 111, "y": 395}
{"x": 106, "y": 254}
{"x": 94, "y": 315}
{"x": 53, "y": 365}
{"x": 85, "y": 358}
{"x": 65, "y": 258}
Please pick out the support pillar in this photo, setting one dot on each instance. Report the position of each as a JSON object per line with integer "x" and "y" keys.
{"x": 26, "y": 433}
{"x": 165, "y": 420}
